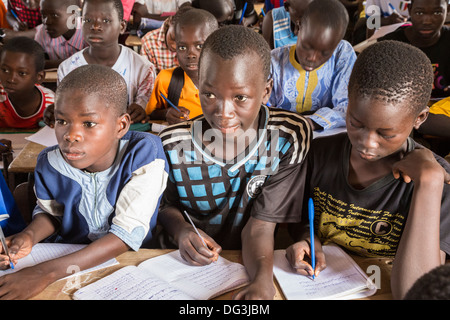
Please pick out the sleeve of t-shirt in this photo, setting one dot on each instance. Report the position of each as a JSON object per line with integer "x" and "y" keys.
{"x": 281, "y": 197}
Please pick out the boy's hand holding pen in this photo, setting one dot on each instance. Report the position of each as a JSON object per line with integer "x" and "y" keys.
{"x": 175, "y": 113}
{"x": 299, "y": 255}
{"x": 198, "y": 249}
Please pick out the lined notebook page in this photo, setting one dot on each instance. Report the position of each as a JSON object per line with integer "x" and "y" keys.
{"x": 46, "y": 251}
{"x": 167, "y": 277}
{"x": 342, "y": 278}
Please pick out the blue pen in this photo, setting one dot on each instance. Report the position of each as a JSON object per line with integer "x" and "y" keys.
{"x": 15, "y": 15}
{"x": 169, "y": 102}
{"x": 311, "y": 234}
{"x": 392, "y": 8}
{"x": 243, "y": 11}
{"x": 262, "y": 12}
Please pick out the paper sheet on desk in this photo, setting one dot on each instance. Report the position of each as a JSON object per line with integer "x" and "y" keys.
{"x": 47, "y": 251}
{"x": 46, "y": 136}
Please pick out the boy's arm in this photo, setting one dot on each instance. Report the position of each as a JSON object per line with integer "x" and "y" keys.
{"x": 257, "y": 254}
{"x": 419, "y": 248}
{"x": 28, "y": 282}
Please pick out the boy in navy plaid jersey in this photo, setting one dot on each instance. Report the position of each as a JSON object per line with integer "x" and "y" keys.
{"x": 237, "y": 169}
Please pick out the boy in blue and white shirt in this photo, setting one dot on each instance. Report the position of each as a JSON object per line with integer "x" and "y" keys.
{"x": 101, "y": 185}
{"x": 311, "y": 77}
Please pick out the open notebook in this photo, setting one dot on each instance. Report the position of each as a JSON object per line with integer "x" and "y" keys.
{"x": 342, "y": 278}
{"x": 47, "y": 251}
{"x": 167, "y": 277}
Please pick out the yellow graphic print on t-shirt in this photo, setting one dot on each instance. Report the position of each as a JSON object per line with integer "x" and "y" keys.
{"x": 370, "y": 233}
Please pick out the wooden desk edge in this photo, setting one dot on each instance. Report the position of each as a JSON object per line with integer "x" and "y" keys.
{"x": 25, "y": 162}
{"x": 64, "y": 289}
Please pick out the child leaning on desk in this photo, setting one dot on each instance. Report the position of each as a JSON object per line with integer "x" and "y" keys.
{"x": 101, "y": 185}
{"x": 102, "y": 24}
{"x": 237, "y": 169}
{"x": 23, "y": 99}
{"x": 312, "y": 76}
{"x": 191, "y": 30}
{"x": 376, "y": 192}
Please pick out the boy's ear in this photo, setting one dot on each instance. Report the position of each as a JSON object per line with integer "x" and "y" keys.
{"x": 267, "y": 91}
{"x": 423, "y": 115}
{"x": 40, "y": 77}
{"x": 123, "y": 26}
{"x": 123, "y": 124}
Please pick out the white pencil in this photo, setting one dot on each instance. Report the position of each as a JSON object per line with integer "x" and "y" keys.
{"x": 198, "y": 233}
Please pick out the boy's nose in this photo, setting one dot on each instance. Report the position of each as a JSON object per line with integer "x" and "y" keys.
{"x": 72, "y": 135}
{"x": 226, "y": 110}
{"x": 369, "y": 141}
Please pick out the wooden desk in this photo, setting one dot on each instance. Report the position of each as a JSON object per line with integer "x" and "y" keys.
{"x": 25, "y": 162}
{"x": 63, "y": 289}
{"x": 134, "y": 42}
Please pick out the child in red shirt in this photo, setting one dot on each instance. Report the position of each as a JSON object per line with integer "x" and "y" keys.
{"x": 22, "y": 98}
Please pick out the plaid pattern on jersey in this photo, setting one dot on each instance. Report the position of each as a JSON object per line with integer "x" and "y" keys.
{"x": 219, "y": 195}
{"x": 31, "y": 17}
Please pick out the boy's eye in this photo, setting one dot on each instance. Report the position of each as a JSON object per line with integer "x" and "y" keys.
{"x": 438, "y": 13}
{"x": 241, "y": 98}
{"x": 90, "y": 124}
{"x": 60, "y": 122}
{"x": 106, "y": 20}
{"x": 209, "y": 95}
{"x": 23, "y": 74}
{"x": 353, "y": 124}
{"x": 181, "y": 48}
{"x": 87, "y": 20}
{"x": 199, "y": 46}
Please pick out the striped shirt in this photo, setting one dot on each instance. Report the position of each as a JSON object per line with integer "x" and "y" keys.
{"x": 282, "y": 33}
{"x": 59, "y": 48}
{"x": 265, "y": 181}
{"x": 155, "y": 49}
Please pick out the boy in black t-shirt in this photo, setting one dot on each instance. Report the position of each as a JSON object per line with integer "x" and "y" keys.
{"x": 237, "y": 170}
{"x": 428, "y": 33}
{"x": 361, "y": 181}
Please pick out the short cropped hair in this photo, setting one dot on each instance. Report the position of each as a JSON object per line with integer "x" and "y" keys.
{"x": 231, "y": 41}
{"x": 329, "y": 13}
{"x": 433, "y": 285}
{"x": 28, "y": 46}
{"x": 393, "y": 72}
{"x": 197, "y": 17}
{"x": 117, "y": 5}
{"x": 101, "y": 81}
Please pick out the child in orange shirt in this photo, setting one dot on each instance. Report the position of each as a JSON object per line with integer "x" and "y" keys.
{"x": 191, "y": 32}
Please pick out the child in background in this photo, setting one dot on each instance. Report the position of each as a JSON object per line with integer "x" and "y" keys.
{"x": 54, "y": 34}
{"x": 102, "y": 24}
{"x": 376, "y": 192}
{"x": 312, "y": 76}
{"x": 231, "y": 169}
{"x": 280, "y": 25}
{"x": 429, "y": 34}
{"x": 390, "y": 11}
{"x": 191, "y": 31}
{"x": 22, "y": 97}
{"x": 100, "y": 185}
{"x": 159, "y": 45}
{"x": 23, "y": 15}
{"x": 229, "y": 11}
